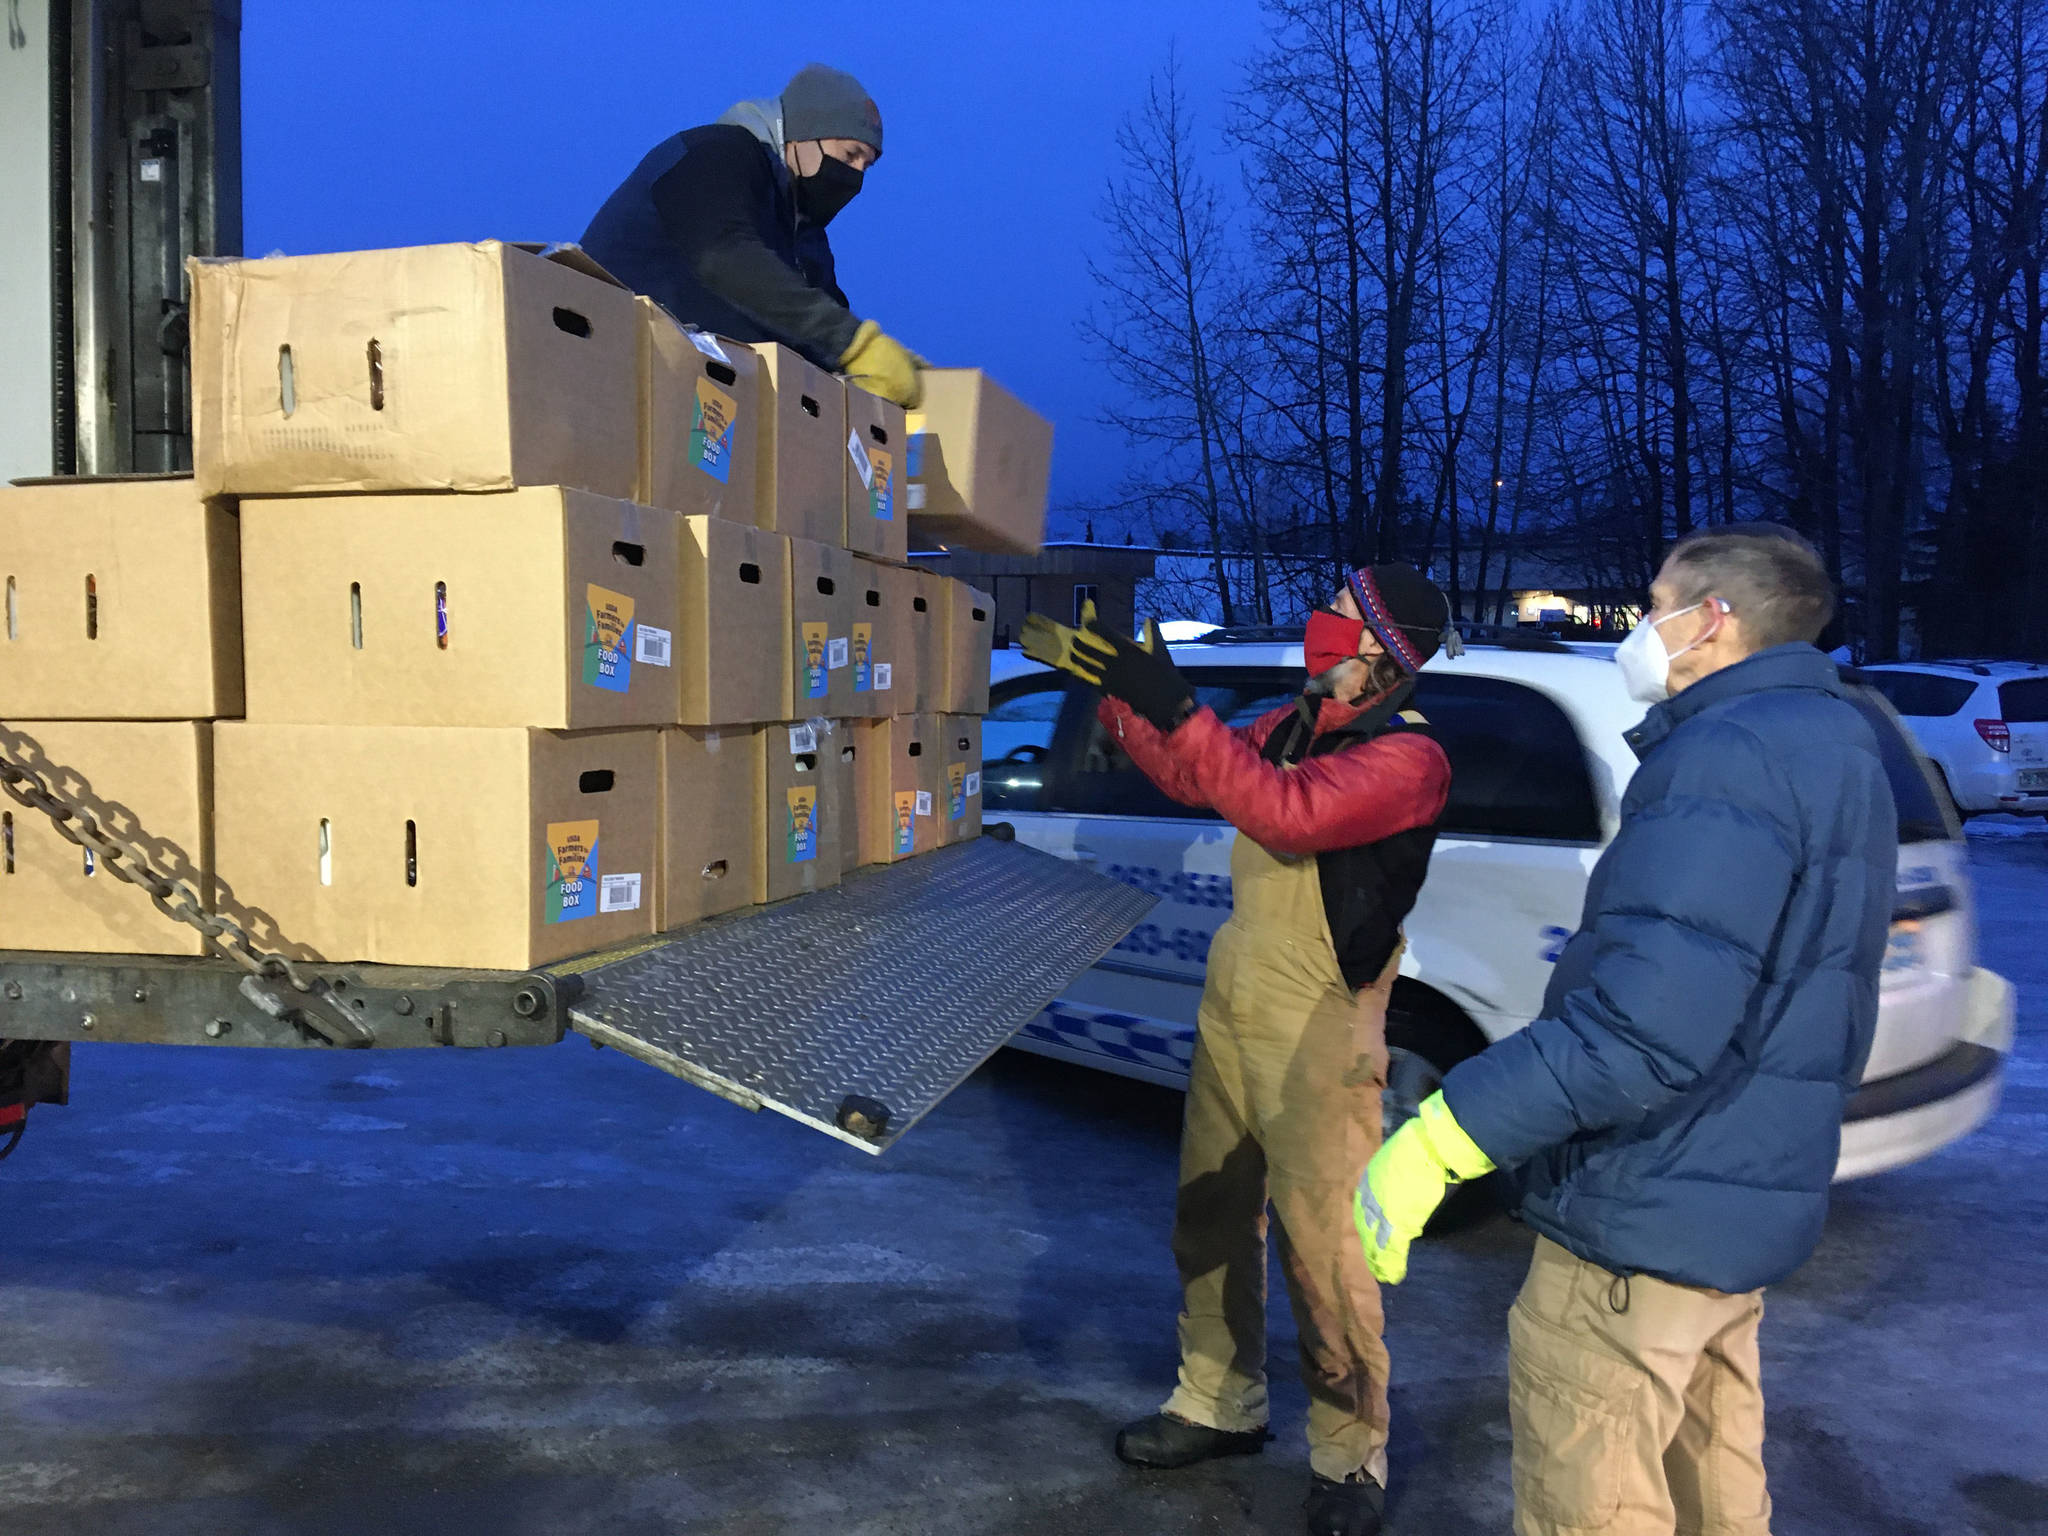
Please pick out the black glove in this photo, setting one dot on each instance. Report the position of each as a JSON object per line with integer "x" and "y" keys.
{"x": 1142, "y": 675}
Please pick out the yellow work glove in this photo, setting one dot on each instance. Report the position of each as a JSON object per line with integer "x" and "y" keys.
{"x": 1407, "y": 1180}
{"x": 883, "y": 366}
{"x": 1083, "y": 652}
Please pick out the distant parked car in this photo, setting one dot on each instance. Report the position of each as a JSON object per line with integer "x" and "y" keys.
{"x": 1984, "y": 724}
{"x": 1533, "y": 728}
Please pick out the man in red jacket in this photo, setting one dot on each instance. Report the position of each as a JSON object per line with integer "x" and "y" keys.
{"x": 1337, "y": 796}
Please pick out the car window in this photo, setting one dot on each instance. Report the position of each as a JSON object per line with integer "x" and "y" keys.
{"x": 1923, "y": 695}
{"x": 1016, "y": 739}
{"x": 1518, "y": 768}
{"x": 1920, "y": 815}
{"x": 1102, "y": 781}
{"x": 2024, "y": 702}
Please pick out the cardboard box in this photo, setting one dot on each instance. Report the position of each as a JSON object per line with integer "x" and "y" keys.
{"x": 897, "y": 778}
{"x": 930, "y": 654}
{"x": 539, "y": 607}
{"x": 799, "y": 482}
{"x": 436, "y": 367}
{"x": 820, "y": 675}
{"x": 119, "y": 600}
{"x": 969, "y": 632}
{"x": 148, "y": 782}
{"x": 881, "y": 629}
{"x": 700, "y": 411}
{"x": 733, "y": 646}
{"x": 802, "y": 806}
{"x": 713, "y": 835}
{"x": 500, "y": 848}
{"x": 980, "y": 465}
{"x": 876, "y": 520}
{"x": 960, "y": 786}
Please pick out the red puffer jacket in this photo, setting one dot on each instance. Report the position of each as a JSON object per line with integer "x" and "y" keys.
{"x": 1384, "y": 786}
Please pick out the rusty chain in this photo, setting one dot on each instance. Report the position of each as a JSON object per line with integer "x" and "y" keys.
{"x": 328, "y": 1017}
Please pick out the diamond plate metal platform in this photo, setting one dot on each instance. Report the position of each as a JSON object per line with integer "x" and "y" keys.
{"x": 857, "y": 1009}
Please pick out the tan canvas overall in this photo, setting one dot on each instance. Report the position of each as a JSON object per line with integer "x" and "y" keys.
{"x": 1283, "y": 1105}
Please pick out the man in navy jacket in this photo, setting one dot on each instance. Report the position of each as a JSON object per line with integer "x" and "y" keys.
{"x": 1671, "y": 1123}
{"x": 725, "y": 227}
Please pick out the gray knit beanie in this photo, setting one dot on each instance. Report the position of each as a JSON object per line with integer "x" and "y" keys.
{"x": 822, "y": 103}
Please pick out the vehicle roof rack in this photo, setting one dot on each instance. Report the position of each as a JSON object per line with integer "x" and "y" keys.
{"x": 1506, "y": 637}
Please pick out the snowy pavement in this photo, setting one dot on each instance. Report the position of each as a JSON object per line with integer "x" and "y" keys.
{"x": 554, "y": 1291}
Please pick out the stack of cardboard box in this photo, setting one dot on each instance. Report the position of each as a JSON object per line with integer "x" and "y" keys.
{"x": 532, "y": 624}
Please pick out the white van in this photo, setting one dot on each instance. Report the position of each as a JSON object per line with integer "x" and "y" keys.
{"x": 1534, "y": 733}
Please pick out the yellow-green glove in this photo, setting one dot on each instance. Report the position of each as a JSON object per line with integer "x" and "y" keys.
{"x": 1083, "y": 652}
{"x": 882, "y": 365}
{"x": 1407, "y": 1180}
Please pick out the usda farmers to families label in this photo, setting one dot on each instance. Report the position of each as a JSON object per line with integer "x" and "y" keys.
{"x": 711, "y": 431}
{"x": 608, "y": 639}
{"x": 572, "y": 876}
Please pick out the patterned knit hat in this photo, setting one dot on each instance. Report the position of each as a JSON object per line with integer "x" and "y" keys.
{"x": 1407, "y": 610}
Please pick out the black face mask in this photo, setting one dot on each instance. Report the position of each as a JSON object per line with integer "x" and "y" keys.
{"x": 820, "y": 195}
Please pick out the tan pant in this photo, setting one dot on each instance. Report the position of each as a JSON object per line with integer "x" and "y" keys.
{"x": 1283, "y": 1104}
{"x": 1636, "y": 1405}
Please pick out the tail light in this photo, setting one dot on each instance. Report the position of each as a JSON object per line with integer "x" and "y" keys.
{"x": 1995, "y": 735}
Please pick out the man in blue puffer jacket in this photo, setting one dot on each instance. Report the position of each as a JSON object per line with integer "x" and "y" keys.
{"x": 1672, "y": 1121}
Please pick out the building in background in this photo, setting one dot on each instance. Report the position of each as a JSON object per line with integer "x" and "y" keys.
{"x": 1057, "y": 581}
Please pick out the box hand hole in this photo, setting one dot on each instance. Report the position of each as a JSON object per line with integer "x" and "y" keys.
{"x": 715, "y": 870}
{"x": 879, "y": 433}
{"x": 92, "y": 609}
{"x": 6, "y": 842}
{"x": 326, "y": 851}
{"x": 13, "y": 627}
{"x": 810, "y": 406}
{"x": 412, "y": 853}
{"x": 287, "y": 381}
{"x": 722, "y": 373}
{"x": 376, "y": 358}
{"x": 750, "y": 573}
{"x": 355, "y": 614}
{"x": 595, "y": 781}
{"x": 874, "y": 598}
{"x": 917, "y": 749}
{"x": 920, "y": 605}
{"x": 568, "y": 320}
{"x": 629, "y": 554}
{"x": 88, "y": 863}
{"x": 825, "y": 586}
{"x": 805, "y": 762}
{"x": 441, "y": 615}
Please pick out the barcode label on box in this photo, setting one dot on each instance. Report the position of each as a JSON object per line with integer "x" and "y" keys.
{"x": 974, "y": 783}
{"x": 924, "y": 802}
{"x": 651, "y": 645}
{"x": 862, "y": 464}
{"x": 802, "y": 738}
{"x": 618, "y": 893}
{"x": 708, "y": 345}
{"x": 913, "y": 497}
{"x": 836, "y": 652}
{"x": 881, "y": 674}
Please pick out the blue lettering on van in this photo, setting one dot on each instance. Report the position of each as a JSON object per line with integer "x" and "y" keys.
{"x": 1179, "y": 886}
{"x": 1188, "y": 944}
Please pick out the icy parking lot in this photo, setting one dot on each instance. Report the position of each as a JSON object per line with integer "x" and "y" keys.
{"x": 555, "y": 1291}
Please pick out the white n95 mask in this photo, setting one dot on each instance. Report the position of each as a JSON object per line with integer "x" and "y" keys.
{"x": 1645, "y": 663}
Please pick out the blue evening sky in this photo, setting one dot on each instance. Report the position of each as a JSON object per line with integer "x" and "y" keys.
{"x": 402, "y": 122}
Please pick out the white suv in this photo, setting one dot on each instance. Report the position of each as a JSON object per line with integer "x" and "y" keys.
{"x": 1534, "y": 734}
{"x": 1984, "y": 724}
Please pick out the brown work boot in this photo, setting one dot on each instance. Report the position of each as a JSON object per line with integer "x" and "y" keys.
{"x": 1165, "y": 1441}
{"x": 1353, "y": 1507}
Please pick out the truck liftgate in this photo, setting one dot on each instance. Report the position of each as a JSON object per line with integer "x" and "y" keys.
{"x": 854, "y": 1010}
